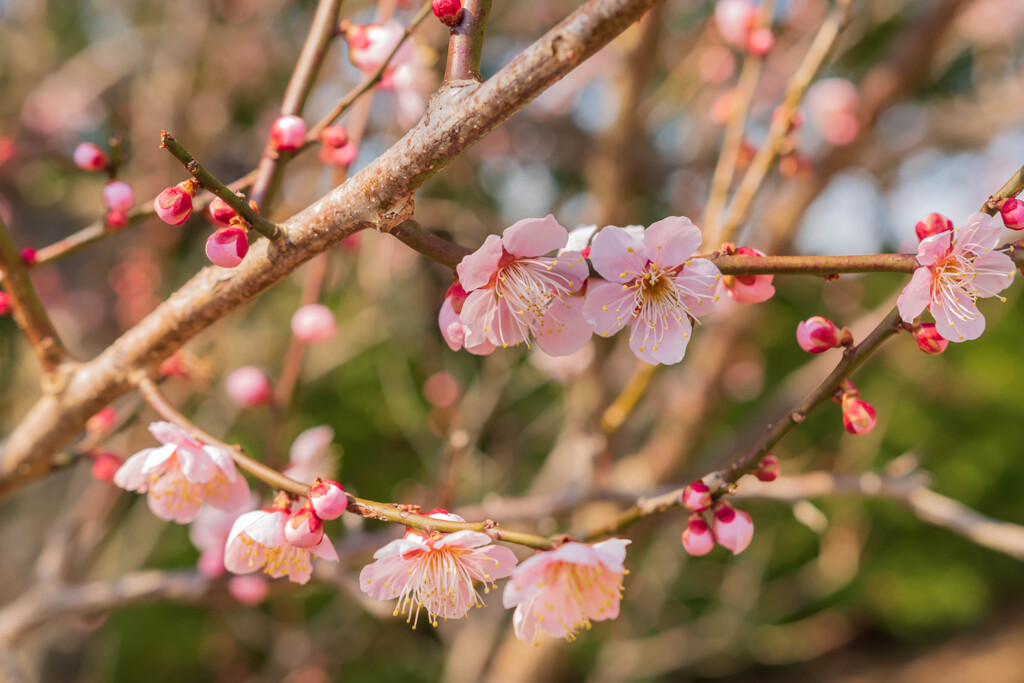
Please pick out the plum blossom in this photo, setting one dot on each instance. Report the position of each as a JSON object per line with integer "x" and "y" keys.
{"x": 309, "y": 456}
{"x": 956, "y": 268}
{"x": 209, "y": 533}
{"x": 749, "y": 289}
{"x": 436, "y": 572}
{"x": 565, "y": 589}
{"x": 257, "y": 541}
{"x": 181, "y": 475}
{"x": 516, "y": 295}
{"x": 651, "y": 285}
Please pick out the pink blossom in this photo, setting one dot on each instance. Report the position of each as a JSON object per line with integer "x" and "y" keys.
{"x": 287, "y": 133}
{"x": 248, "y": 387}
{"x": 515, "y": 294}
{"x": 651, "y": 285}
{"x": 749, "y": 289}
{"x": 733, "y": 528}
{"x": 328, "y": 499}
{"x": 105, "y": 465}
{"x": 735, "y": 20}
{"x": 928, "y": 339}
{"x": 818, "y": 334}
{"x": 89, "y": 157}
{"x": 563, "y": 590}
{"x": 452, "y": 328}
{"x": 227, "y": 247}
{"x": 248, "y": 590}
{"x": 436, "y": 572}
{"x": 209, "y": 533}
{"x": 370, "y": 45}
{"x": 309, "y": 457}
{"x": 832, "y": 105}
{"x": 118, "y": 195}
{"x": 338, "y": 156}
{"x": 1012, "y": 212}
{"x": 257, "y": 541}
{"x": 956, "y": 268}
{"x": 181, "y": 475}
{"x": 760, "y": 41}
{"x": 313, "y": 323}
{"x": 697, "y": 537}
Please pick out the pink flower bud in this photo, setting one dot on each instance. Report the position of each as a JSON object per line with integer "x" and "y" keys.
{"x": 334, "y": 136}
{"x": 227, "y": 247}
{"x": 101, "y": 421}
{"x": 697, "y": 496}
{"x": 858, "y": 415}
{"x": 832, "y": 105}
{"x": 760, "y": 42}
{"x": 248, "y": 387}
{"x": 749, "y": 289}
{"x": 1012, "y": 211}
{"x": 105, "y": 464}
{"x": 248, "y": 590}
{"x": 174, "y": 205}
{"x": 5, "y": 303}
{"x": 928, "y": 339}
{"x": 211, "y": 563}
{"x": 116, "y": 219}
{"x": 119, "y": 195}
{"x": 313, "y": 323}
{"x": 735, "y": 20}
{"x": 441, "y": 390}
{"x": 697, "y": 537}
{"x": 733, "y": 528}
{"x": 338, "y": 156}
{"x": 328, "y": 499}
{"x": 287, "y": 133}
{"x": 933, "y": 224}
{"x": 89, "y": 157}
{"x": 818, "y": 335}
{"x": 769, "y": 468}
{"x": 448, "y": 11}
{"x": 28, "y": 256}
{"x": 304, "y": 529}
{"x": 220, "y": 213}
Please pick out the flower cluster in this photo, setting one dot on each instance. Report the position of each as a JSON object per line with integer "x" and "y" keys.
{"x": 509, "y": 293}
{"x": 731, "y": 528}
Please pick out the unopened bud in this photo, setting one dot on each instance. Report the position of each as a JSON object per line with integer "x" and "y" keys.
{"x": 116, "y": 219}
{"x": 328, "y": 499}
{"x": 5, "y": 303}
{"x": 28, "y": 256}
{"x": 304, "y": 529}
{"x": 858, "y": 415}
{"x": 696, "y": 496}
{"x": 89, "y": 157}
{"x": 449, "y": 12}
{"x": 1012, "y": 211}
{"x": 313, "y": 323}
{"x": 818, "y": 334}
{"x": 933, "y": 224}
{"x": 118, "y": 195}
{"x": 769, "y": 468}
{"x": 733, "y": 528}
{"x": 334, "y": 136}
{"x": 248, "y": 387}
{"x": 105, "y": 464}
{"x": 928, "y": 339}
{"x": 697, "y": 537}
{"x": 287, "y": 133}
{"x": 760, "y": 42}
{"x": 227, "y": 247}
{"x": 220, "y": 212}
{"x": 174, "y": 205}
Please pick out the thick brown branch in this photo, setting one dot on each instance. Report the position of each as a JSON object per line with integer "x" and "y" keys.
{"x": 27, "y": 308}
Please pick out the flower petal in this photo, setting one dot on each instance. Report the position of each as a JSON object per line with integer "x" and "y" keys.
{"x": 476, "y": 269}
{"x": 325, "y": 550}
{"x": 478, "y": 313}
{"x": 608, "y": 307}
{"x": 617, "y": 255}
{"x": 267, "y": 528}
{"x": 562, "y": 331}
{"x": 957, "y": 317}
{"x": 933, "y": 248}
{"x": 697, "y": 284}
{"x": 916, "y": 296}
{"x": 994, "y": 272}
{"x": 671, "y": 241}
{"x": 660, "y": 339}
{"x": 463, "y": 539}
{"x": 130, "y": 476}
{"x": 452, "y": 328}
{"x": 761, "y": 289}
{"x": 979, "y": 233}
{"x": 310, "y": 445}
{"x": 533, "y": 237}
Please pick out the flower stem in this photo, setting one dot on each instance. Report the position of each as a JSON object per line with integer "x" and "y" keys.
{"x": 466, "y": 43}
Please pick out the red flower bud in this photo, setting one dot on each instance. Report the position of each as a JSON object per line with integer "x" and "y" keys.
{"x": 933, "y": 224}
{"x": 697, "y": 496}
{"x": 928, "y": 339}
{"x": 697, "y": 537}
{"x": 818, "y": 334}
{"x": 769, "y": 468}
{"x": 448, "y": 11}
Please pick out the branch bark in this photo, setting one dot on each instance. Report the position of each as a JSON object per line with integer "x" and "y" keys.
{"x": 380, "y": 197}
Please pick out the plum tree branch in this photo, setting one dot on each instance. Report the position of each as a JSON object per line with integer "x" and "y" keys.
{"x": 466, "y": 43}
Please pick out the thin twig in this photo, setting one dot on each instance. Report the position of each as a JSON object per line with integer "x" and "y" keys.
{"x": 322, "y": 31}
{"x": 28, "y": 310}
{"x": 466, "y": 43}
{"x": 210, "y": 182}
{"x": 820, "y": 47}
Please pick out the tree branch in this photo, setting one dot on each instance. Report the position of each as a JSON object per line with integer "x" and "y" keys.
{"x": 466, "y": 44}
{"x": 27, "y": 308}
